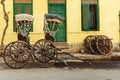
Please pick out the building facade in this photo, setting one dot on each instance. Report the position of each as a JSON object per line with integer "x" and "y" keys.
{"x": 82, "y": 18}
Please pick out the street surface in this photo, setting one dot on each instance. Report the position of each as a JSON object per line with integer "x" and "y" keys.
{"x": 75, "y": 71}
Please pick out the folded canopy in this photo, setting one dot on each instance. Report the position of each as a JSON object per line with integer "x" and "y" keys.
{"x": 21, "y": 17}
{"x": 54, "y": 17}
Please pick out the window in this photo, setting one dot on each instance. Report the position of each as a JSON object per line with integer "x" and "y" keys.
{"x": 22, "y": 6}
{"x": 56, "y": 1}
{"x": 90, "y": 15}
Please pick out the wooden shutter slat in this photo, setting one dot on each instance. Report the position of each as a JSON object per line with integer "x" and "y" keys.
{"x": 27, "y": 9}
{"x": 56, "y": 1}
{"x": 23, "y": 1}
{"x": 85, "y": 16}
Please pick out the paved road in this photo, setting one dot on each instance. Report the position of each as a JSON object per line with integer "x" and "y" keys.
{"x": 75, "y": 71}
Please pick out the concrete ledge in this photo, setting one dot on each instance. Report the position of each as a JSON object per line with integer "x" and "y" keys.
{"x": 88, "y": 57}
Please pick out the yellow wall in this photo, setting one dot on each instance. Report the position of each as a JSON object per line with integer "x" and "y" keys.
{"x": 39, "y": 9}
{"x": 108, "y": 20}
{"x": 10, "y": 36}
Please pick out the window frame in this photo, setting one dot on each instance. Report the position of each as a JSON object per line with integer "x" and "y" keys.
{"x": 97, "y": 16}
{"x": 14, "y": 13}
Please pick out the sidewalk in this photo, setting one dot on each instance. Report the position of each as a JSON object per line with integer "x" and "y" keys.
{"x": 115, "y": 56}
{"x": 87, "y": 57}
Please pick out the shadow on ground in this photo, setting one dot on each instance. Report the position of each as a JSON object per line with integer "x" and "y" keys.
{"x": 72, "y": 65}
{"x": 95, "y": 65}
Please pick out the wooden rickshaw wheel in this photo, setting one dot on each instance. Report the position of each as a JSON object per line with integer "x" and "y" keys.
{"x": 45, "y": 51}
{"x": 87, "y": 44}
{"x": 93, "y": 45}
{"x": 16, "y": 54}
{"x": 104, "y": 45}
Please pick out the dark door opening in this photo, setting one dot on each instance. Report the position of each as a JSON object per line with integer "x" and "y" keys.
{"x": 93, "y": 15}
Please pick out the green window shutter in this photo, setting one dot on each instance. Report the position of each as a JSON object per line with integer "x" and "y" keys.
{"x": 20, "y": 8}
{"x": 85, "y": 17}
{"x": 97, "y": 17}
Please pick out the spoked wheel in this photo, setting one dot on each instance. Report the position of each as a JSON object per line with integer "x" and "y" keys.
{"x": 93, "y": 45}
{"x": 7, "y": 55}
{"x": 16, "y": 54}
{"x": 87, "y": 44}
{"x": 46, "y": 64}
{"x": 104, "y": 45}
{"x": 45, "y": 51}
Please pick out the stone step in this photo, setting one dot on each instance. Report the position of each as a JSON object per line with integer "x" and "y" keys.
{"x": 62, "y": 45}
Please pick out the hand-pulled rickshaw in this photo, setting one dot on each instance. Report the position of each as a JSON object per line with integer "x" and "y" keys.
{"x": 18, "y": 53}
